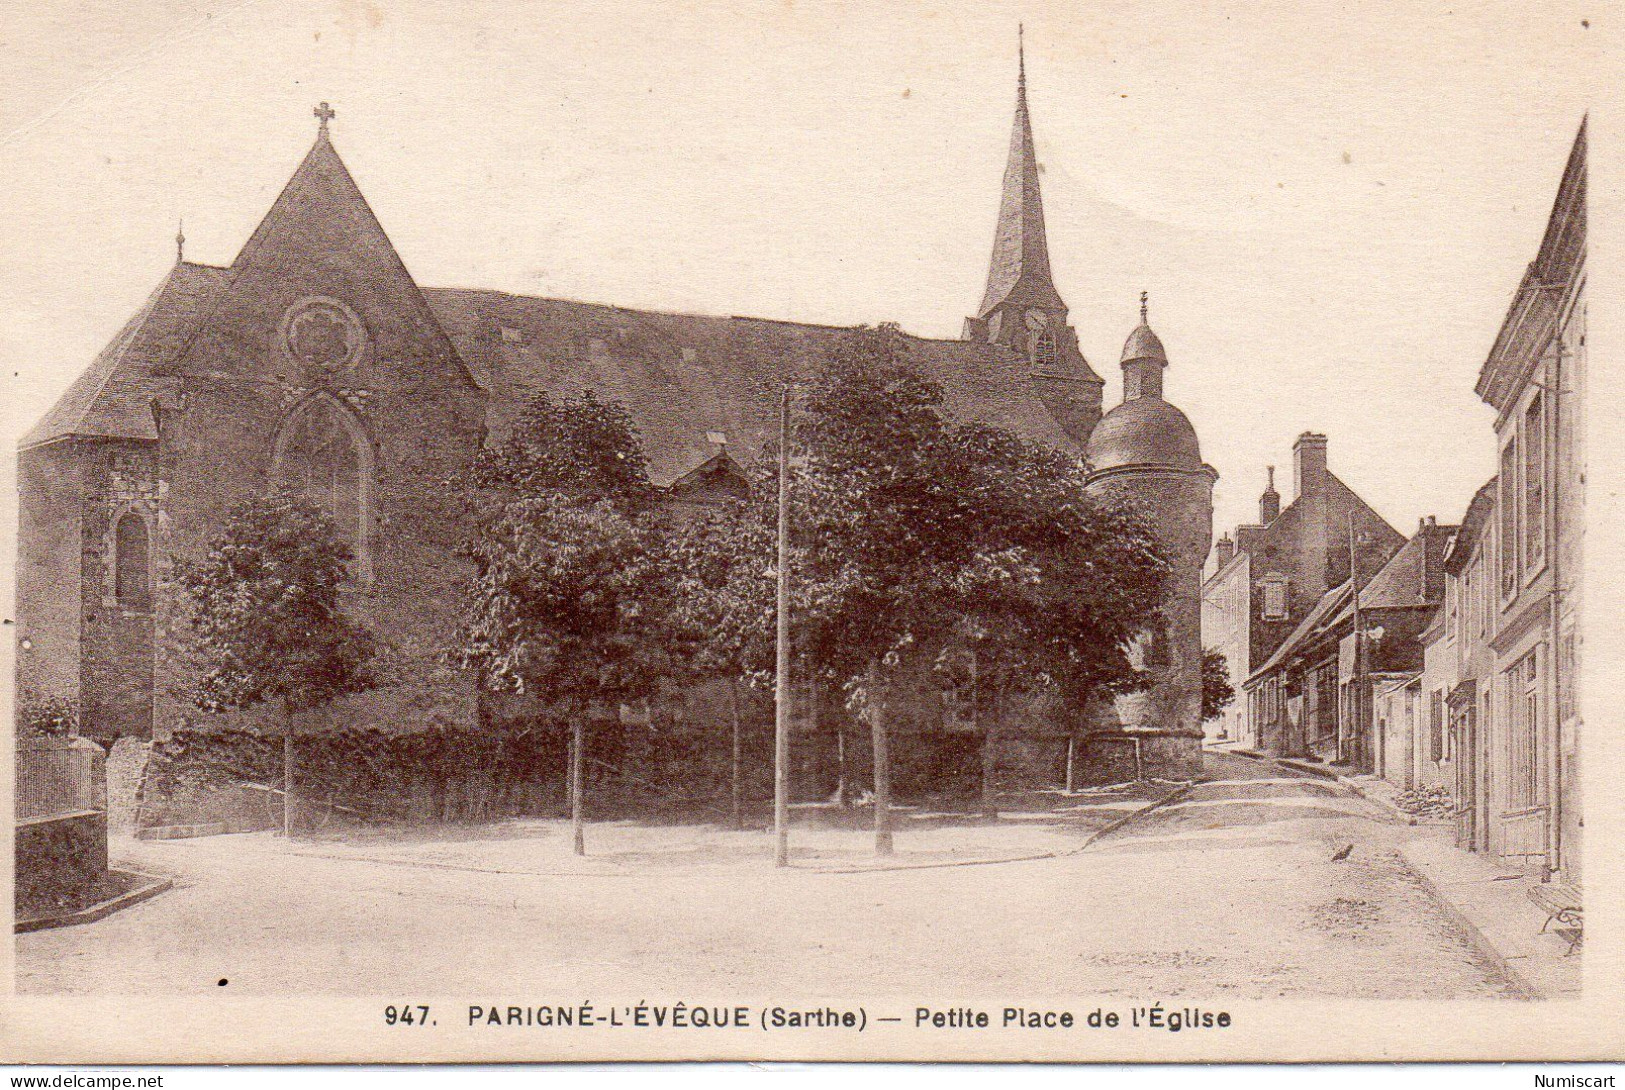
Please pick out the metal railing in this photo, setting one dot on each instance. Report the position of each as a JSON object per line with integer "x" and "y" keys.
{"x": 59, "y": 776}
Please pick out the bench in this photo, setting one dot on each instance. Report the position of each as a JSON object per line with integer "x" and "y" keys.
{"x": 1561, "y": 903}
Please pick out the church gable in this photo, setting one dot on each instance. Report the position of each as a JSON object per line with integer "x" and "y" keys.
{"x": 319, "y": 299}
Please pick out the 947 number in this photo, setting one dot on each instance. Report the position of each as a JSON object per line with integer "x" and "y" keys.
{"x": 407, "y": 1016}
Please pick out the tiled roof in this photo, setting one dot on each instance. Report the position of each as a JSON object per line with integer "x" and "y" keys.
{"x": 1403, "y": 581}
{"x": 1472, "y": 526}
{"x": 113, "y": 396}
{"x": 683, "y": 375}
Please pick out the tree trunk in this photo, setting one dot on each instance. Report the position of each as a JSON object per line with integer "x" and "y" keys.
{"x": 737, "y": 800}
{"x": 1071, "y": 762}
{"x": 578, "y": 745}
{"x": 843, "y": 794}
{"x": 877, "y": 725}
{"x": 287, "y": 772}
{"x": 990, "y": 753}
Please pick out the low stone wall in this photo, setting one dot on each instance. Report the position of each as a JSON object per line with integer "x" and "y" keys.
{"x": 61, "y": 861}
{"x": 1122, "y": 756}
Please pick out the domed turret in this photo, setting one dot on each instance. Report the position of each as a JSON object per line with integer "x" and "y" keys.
{"x": 1145, "y": 452}
{"x": 1143, "y": 344}
{"x": 1146, "y": 431}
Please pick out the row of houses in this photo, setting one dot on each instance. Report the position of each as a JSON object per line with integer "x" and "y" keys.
{"x": 1444, "y": 662}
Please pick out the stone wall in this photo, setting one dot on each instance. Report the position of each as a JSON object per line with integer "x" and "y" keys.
{"x": 61, "y": 861}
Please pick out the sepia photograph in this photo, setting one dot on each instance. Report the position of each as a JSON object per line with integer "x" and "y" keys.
{"x": 824, "y": 531}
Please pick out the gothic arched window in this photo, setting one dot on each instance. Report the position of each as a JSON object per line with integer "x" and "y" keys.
{"x": 323, "y": 455}
{"x": 1044, "y": 349}
{"x": 132, "y": 568}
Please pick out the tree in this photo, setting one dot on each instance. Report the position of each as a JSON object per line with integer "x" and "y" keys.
{"x": 581, "y": 447}
{"x": 913, "y": 532}
{"x": 722, "y": 608}
{"x": 48, "y": 715}
{"x": 572, "y": 587}
{"x": 881, "y": 533}
{"x": 1057, "y": 585}
{"x": 266, "y": 619}
{"x": 1217, "y": 692}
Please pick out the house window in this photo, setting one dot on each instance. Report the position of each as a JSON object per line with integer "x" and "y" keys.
{"x": 1509, "y": 518}
{"x": 1452, "y": 598}
{"x": 1275, "y": 606}
{"x": 1523, "y": 719}
{"x": 1534, "y": 484}
{"x": 132, "y": 567}
{"x": 1568, "y": 662}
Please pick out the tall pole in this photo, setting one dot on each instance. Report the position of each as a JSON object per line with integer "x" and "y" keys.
{"x": 287, "y": 773}
{"x": 1358, "y": 703}
{"x": 781, "y": 692}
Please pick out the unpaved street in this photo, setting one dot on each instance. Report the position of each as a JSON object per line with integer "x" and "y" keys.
{"x": 1231, "y": 892}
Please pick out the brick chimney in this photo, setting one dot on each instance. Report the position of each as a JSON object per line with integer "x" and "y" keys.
{"x": 1309, "y": 465}
{"x": 1224, "y": 551}
{"x": 1269, "y": 504}
{"x": 1434, "y": 540}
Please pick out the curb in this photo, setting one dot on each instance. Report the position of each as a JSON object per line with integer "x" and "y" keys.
{"x": 1304, "y": 766}
{"x": 181, "y": 832}
{"x": 101, "y": 909}
{"x": 1176, "y": 795}
{"x": 1519, "y": 983}
{"x": 1105, "y": 830}
{"x": 1481, "y": 942}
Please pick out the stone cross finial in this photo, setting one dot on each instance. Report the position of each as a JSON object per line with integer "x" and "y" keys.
{"x": 180, "y": 241}
{"x": 324, "y": 113}
{"x": 1143, "y": 296}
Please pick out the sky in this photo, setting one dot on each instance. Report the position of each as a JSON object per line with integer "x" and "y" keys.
{"x": 1330, "y": 204}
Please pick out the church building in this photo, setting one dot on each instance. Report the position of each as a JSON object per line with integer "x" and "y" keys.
{"x": 315, "y": 362}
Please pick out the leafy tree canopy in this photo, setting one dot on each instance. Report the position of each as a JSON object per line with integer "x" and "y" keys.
{"x": 913, "y": 529}
{"x": 1217, "y": 692}
{"x": 568, "y": 603}
{"x": 579, "y": 446}
{"x": 266, "y": 618}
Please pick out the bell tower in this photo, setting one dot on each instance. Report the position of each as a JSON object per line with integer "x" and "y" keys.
{"x": 1021, "y": 308}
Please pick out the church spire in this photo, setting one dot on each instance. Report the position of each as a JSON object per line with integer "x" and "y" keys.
{"x": 1019, "y": 274}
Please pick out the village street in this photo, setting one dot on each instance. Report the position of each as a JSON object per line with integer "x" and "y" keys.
{"x": 1231, "y": 891}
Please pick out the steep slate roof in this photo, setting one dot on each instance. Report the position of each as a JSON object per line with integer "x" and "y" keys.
{"x": 1402, "y": 582}
{"x": 112, "y": 398}
{"x": 1471, "y": 528}
{"x": 1020, "y": 272}
{"x": 682, "y": 375}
